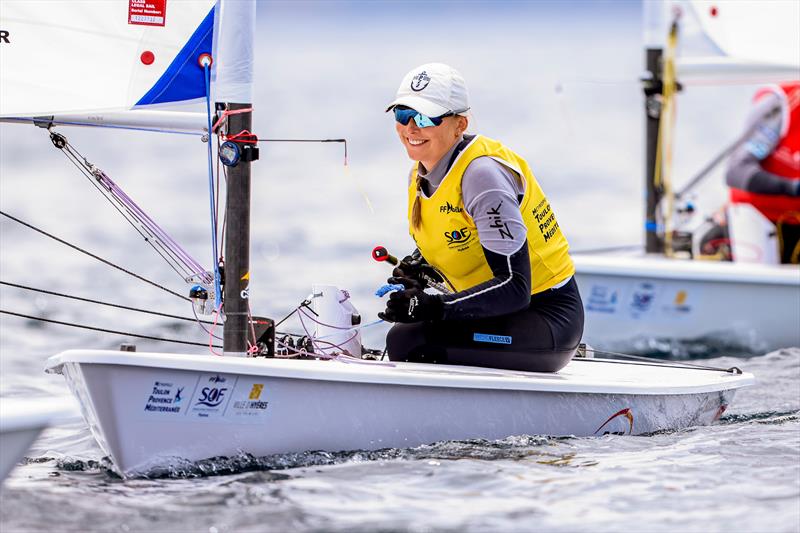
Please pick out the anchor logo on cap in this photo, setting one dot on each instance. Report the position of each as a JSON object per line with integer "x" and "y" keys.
{"x": 420, "y": 81}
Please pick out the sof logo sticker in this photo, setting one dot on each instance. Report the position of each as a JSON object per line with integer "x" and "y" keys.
{"x": 602, "y": 299}
{"x": 248, "y": 403}
{"x": 212, "y": 395}
{"x": 458, "y": 238}
{"x": 642, "y": 298}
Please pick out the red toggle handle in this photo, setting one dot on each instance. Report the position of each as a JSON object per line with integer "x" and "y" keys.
{"x": 379, "y": 253}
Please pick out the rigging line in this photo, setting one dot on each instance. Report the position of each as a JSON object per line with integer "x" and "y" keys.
{"x": 100, "y": 302}
{"x": 656, "y": 362}
{"x": 92, "y": 328}
{"x": 114, "y": 192}
{"x": 224, "y": 228}
{"x": 282, "y": 320}
{"x": 711, "y": 165}
{"x": 201, "y": 322}
{"x": 162, "y": 236}
{"x": 309, "y": 141}
{"x": 109, "y": 263}
{"x": 90, "y": 177}
{"x": 218, "y": 198}
{"x": 217, "y": 281}
{"x": 664, "y": 143}
{"x": 185, "y": 262}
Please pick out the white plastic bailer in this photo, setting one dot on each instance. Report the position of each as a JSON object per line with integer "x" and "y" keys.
{"x": 337, "y": 321}
{"x": 753, "y": 236}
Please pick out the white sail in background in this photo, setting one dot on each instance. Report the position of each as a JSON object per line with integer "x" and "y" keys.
{"x": 89, "y": 56}
{"x": 729, "y": 41}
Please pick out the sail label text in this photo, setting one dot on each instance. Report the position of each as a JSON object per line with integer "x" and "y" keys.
{"x": 147, "y": 12}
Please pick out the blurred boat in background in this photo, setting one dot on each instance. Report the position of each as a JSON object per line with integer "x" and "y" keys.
{"x": 21, "y": 422}
{"x": 669, "y": 292}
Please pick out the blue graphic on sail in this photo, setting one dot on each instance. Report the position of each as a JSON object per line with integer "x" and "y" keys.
{"x": 184, "y": 78}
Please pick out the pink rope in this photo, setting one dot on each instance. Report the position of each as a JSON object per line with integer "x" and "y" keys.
{"x": 225, "y": 115}
{"x": 211, "y": 335}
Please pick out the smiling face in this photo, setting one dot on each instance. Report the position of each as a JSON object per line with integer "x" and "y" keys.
{"x": 428, "y": 145}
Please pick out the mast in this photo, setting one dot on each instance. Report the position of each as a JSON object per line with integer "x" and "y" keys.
{"x": 654, "y": 39}
{"x": 237, "y": 240}
{"x": 653, "y": 90}
{"x": 234, "y": 76}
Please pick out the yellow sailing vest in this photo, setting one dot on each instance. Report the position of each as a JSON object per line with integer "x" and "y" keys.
{"x": 448, "y": 237}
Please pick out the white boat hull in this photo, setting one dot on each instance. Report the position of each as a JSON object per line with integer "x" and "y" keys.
{"x": 756, "y": 307}
{"x": 21, "y": 423}
{"x": 229, "y": 406}
{"x": 13, "y": 446}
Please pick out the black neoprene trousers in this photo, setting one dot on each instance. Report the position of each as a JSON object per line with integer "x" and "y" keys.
{"x": 541, "y": 338}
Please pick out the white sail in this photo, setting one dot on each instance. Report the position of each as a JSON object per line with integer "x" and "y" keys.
{"x": 236, "y": 23}
{"x": 86, "y": 56}
{"x": 729, "y": 41}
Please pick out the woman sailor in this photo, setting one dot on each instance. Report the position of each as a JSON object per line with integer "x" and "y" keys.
{"x": 482, "y": 225}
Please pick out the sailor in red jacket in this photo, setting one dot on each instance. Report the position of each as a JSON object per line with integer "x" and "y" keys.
{"x": 765, "y": 170}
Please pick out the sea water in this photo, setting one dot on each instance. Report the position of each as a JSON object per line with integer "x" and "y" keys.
{"x": 556, "y": 83}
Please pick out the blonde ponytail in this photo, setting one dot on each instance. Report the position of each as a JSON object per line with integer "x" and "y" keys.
{"x": 416, "y": 209}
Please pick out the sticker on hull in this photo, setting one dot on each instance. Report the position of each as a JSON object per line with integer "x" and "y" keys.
{"x": 212, "y": 395}
{"x": 625, "y": 413}
{"x": 168, "y": 396}
{"x": 207, "y": 397}
{"x": 249, "y": 403}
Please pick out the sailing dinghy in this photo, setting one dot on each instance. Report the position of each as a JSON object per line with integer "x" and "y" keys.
{"x": 666, "y": 293}
{"x": 155, "y": 410}
{"x": 150, "y": 410}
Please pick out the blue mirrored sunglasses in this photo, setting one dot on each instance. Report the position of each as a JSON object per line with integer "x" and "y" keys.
{"x": 404, "y": 114}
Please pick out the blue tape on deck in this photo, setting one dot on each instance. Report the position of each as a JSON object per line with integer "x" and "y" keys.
{"x": 382, "y": 290}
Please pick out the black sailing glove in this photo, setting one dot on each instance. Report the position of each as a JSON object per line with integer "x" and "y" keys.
{"x": 412, "y": 304}
{"x": 415, "y": 267}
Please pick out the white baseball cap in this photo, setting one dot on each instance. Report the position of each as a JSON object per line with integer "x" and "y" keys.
{"x": 433, "y": 89}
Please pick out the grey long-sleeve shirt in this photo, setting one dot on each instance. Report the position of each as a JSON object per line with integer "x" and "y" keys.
{"x": 744, "y": 166}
